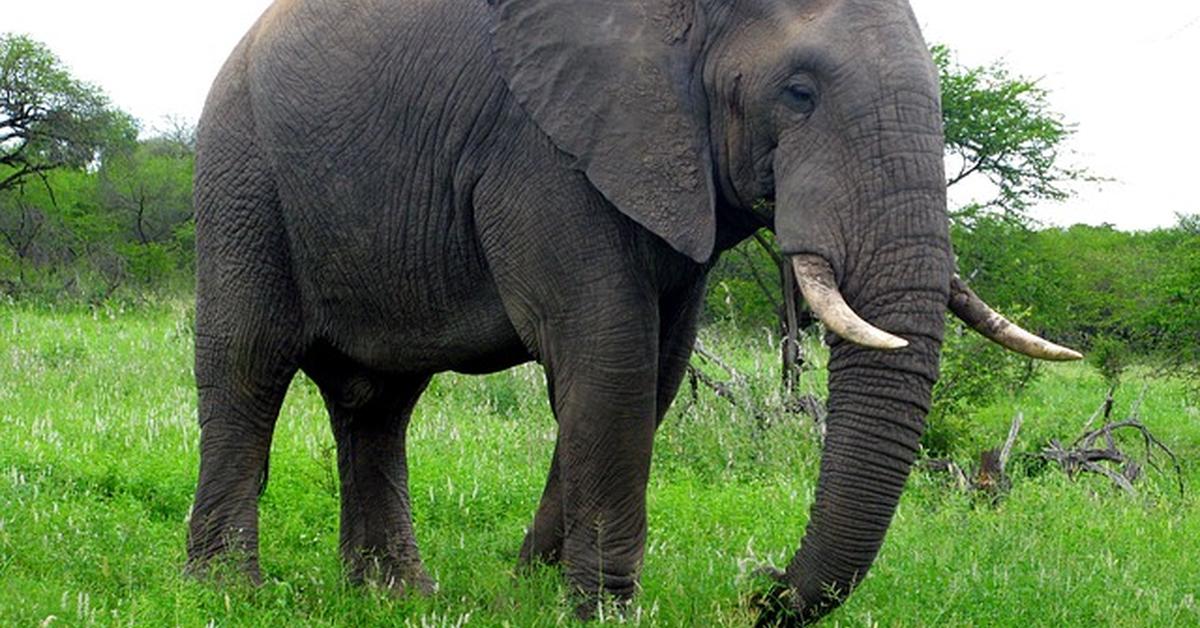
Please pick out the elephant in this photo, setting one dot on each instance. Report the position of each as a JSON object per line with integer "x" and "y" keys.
{"x": 390, "y": 189}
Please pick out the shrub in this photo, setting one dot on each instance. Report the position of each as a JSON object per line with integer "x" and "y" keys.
{"x": 975, "y": 372}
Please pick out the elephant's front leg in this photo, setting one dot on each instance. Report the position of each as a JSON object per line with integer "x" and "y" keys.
{"x": 603, "y": 389}
{"x": 544, "y": 538}
{"x": 679, "y": 320}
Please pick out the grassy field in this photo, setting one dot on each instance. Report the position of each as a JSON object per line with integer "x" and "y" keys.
{"x": 98, "y": 459}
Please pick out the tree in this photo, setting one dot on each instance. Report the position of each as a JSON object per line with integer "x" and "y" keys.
{"x": 1001, "y": 127}
{"x": 1189, "y": 223}
{"x": 150, "y": 187}
{"x": 49, "y": 119}
{"x": 45, "y": 229}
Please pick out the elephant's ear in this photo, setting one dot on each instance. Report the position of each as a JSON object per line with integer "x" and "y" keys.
{"x": 614, "y": 84}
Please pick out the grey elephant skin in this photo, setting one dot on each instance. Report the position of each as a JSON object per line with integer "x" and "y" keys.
{"x": 388, "y": 189}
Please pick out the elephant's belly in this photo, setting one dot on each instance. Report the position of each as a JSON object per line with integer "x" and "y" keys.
{"x": 422, "y": 317}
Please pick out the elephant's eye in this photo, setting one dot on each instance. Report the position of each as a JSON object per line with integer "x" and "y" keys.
{"x": 801, "y": 97}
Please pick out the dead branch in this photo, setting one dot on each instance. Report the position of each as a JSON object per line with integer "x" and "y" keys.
{"x": 1013, "y": 430}
{"x": 735, "y": 389}
{"x": 1105, "y": 408}
{"x": 706, "y": 356}
{"x": 1098, "y": 450}
{"x": 989, "y": 477}
{"x": 728, "y": 389}
{"x": 950, "y": 467}
{"x": 1075, "y": 461}
{"x": 721, "y": 389}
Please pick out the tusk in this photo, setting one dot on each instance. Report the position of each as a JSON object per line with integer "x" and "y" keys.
{"x": 815, "y": 278}
{"x": 967, "y": 306}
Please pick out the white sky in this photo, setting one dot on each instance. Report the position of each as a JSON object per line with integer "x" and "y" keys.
{"x": 1127, "y": 74}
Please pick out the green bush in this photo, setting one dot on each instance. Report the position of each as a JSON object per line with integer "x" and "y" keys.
{"x": 740, "y": 302}
{"x": 1110, "y": 357}
{"x": 975, "y": 372}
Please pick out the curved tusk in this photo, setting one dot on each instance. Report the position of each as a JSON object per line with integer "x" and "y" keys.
{"x": 815, "y": 278}
{"x": 968, "y": 307}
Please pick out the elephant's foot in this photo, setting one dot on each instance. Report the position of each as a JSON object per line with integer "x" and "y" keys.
{"x": 399, "y": 576}
{"x": 540, "y": 548}
{"x": 775, "y": 608}
{"x": 601, "y": 593}
{"x": 226, "y": 554}
{"x": 602, "y": 607}
{"x": 225, "y": 569}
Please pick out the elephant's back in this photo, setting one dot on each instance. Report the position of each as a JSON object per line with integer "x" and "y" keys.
{"x": 345, "y": 86}
{"x": 375, "y": 116}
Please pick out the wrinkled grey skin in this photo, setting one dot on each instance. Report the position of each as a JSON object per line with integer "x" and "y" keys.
{"x": 387, "y": 189}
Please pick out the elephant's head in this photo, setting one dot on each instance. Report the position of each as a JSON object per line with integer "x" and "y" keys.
{"x": 685, "y": 113}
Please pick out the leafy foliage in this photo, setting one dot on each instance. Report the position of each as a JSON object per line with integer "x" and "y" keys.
{"x": 49, "y": 119}
{"x": 974, "y": 374}
{"x": 85, "y": 207}
{"x": 1002, "y": 127}
{"x": 745, "y": 288}
{"x": 1110, "y": 358}
{"x": 1189, "y": 223}
{"x": 89, "y": 233}
{"x": 148, "y": 189}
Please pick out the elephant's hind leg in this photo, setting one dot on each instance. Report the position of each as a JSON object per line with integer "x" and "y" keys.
{"x": 369, "y": 415}
{"x": 239, "y": 403}
{"x": 248, "y": 342}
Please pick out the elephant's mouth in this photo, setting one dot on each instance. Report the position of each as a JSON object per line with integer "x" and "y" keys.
{"x": 815, "y": 277}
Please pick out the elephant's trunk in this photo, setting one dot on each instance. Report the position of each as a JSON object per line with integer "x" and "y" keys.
{"x": 891, "y": 262}
{"x": 878, "y": 400}
{"x": 877, "y": 407}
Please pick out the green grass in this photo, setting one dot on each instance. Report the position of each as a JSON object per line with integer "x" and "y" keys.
{"x": 98, "y": 461}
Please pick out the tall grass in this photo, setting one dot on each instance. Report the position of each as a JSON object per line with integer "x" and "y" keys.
{"x": 98, "y": 460}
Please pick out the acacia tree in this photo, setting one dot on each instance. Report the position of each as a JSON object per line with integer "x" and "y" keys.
{"x": 49, "y": 119}
{"x": 1002, "y": 128}
{"x": 54, "y": 130}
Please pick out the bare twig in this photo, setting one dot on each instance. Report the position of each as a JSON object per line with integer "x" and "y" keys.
{"x": 1105, "y": 409}
{"x": 721, "y": 389}
{"x": 770, "y": 250}
{"x": 950, "y": 467}
{"x": 1096, "y": 446}
{"x": 726, "y": 390}
{"x": 766, "y": 290}
{"x": 1013, "y": 430}
{"x": 708, "y": 356}
{"x": 791, "y": 334}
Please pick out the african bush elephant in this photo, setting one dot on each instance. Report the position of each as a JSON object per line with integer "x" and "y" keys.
{"x": 388, "y": 189}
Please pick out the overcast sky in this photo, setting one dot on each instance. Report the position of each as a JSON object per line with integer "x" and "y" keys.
{"x": 1126, "y": 74}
